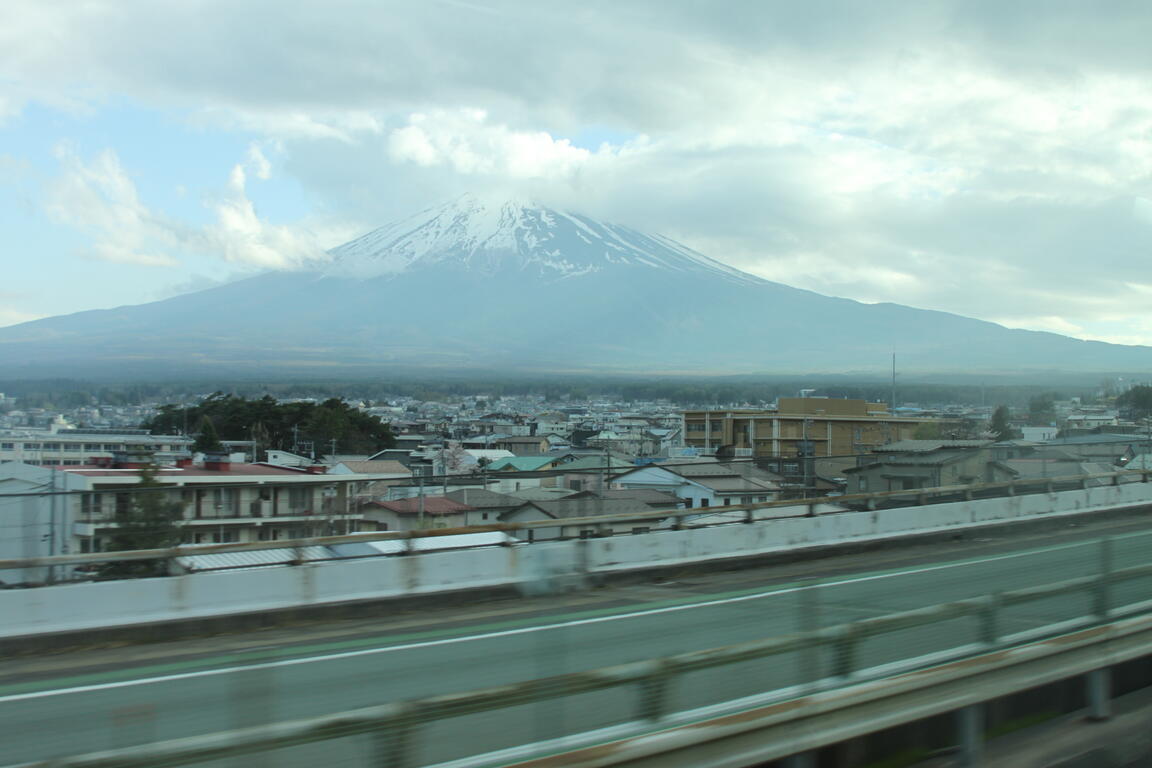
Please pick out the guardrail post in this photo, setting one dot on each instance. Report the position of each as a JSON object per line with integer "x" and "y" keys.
{"x": 808, "y": 625}
{"x": 1103, "y": 597}
{"x": 990, "y": 620}
{"x": 654, "y": 693}
{"x": 844, "y": 649}
{"x": 970, "y": 729}
{"x": 1099, "y": 683}
{"x": 802, "y": 760}
{"x": 392, "y": 745}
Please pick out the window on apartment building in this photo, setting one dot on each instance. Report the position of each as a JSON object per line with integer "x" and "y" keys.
{"x": 8, "y": 446}
{"x": 704, "y": 502}
{"x": 299, "y": 499}
{"x": 761, "y": 498}
{"x": 112, "y": 447}
{"x": 33, "y": 462}
{"x": 225, "y": 537}
{"x": 72, "y": 462}
{"x": 727, "y": 501}
{"x": 225, "y": 501}
{"x": 51, "y": 462}
{"x": 688, "y": 503}
{"x": 85, "y": 546}
{"x": 92, "y": 446}
{"x": 31, "y": 446}
{"x": 51, "y": 446}
{"x": 72, "y": 446}
{"x": 644, "y": 529}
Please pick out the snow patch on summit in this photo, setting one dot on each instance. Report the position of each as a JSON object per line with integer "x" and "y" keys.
{"x": 514, "y": 236}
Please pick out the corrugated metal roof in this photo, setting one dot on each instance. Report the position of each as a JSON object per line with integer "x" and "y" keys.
{"x": 260, "y": 558}
{"x": 522, "y": 463}
{"x": 432, "y": 505}
{"x": 424, "y": 544}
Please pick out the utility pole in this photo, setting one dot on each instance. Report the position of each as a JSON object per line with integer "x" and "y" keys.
{"x": 52, "y": 527}
{"x": 604, "y": 470}
{"x": 420, "y": 517}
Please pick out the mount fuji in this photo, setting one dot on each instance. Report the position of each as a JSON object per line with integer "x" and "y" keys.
{"x": 515, "y": 286}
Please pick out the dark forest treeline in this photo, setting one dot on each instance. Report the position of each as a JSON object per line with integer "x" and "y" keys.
{"x": 332, "y": 426}
{"x": 680, "y": 390}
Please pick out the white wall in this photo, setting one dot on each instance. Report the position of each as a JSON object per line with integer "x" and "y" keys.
{"x": 531, "y": 567}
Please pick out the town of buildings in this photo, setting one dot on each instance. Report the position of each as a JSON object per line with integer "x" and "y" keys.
{"x": 485, "y": 461}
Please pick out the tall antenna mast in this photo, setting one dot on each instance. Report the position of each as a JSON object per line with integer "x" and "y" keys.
{"x": 893, "y": 383}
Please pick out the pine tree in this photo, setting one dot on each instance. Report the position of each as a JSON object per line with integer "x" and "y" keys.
{"x": 208, "y": 441}
{"x": 1000, "y": 428}
{"x": 147, "y": 521}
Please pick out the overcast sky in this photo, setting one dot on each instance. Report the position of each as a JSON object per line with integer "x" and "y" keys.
{"x": 991, "y": 159}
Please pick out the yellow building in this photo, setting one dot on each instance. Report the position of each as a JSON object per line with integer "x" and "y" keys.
{"x": 830, "y": 427}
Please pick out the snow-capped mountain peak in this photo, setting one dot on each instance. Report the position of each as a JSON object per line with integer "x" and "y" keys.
{"x": 475, "y": 235}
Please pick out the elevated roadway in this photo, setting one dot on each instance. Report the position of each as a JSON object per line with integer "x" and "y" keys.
{"x": 107, "y": 698}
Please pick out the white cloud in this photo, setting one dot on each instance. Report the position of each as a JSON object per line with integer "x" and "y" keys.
{"x": 240, "y": 236}
{"x": 467, "y": 142}
{"x": 100, "y": 200}
{"x": 14, "y": 316}
{"x": 259, "y": 162}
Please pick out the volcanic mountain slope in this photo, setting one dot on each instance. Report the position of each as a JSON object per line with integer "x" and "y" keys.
{"x": 517, "y": 286}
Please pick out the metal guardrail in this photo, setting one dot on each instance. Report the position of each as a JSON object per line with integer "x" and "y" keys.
{"x": 395, "y": 726}
{"x": 918, "y": 497}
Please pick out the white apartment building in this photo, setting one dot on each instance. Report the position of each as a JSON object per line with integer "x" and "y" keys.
{"x": 74, "y": 448}
{"x": 219, "y": 501}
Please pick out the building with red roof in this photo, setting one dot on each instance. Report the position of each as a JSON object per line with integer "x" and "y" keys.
{"x": 417, "y": 512}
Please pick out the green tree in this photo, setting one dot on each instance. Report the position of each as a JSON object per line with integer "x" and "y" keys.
{"x": 929, "y": 431}
{"x": 276, "y": 425}
{"x": 1042, "y": 409}
{"x": 208, "y": 441}
{"x": 1000, "y": 427}
{"x": 1136, "y": 403}
{"x": 146, "y": 520}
